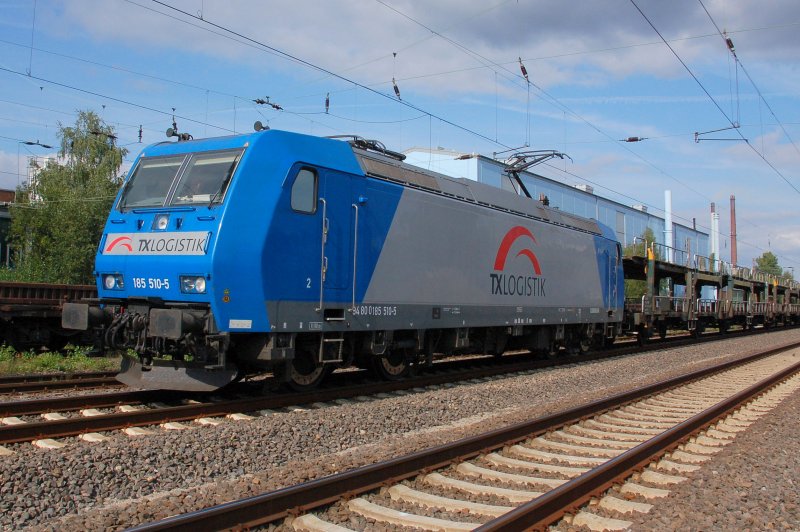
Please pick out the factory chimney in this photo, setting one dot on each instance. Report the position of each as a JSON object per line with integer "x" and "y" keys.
{"x": 714, "y": 240}
{"x": 712, "y": 244}
{"x": 668, "y": 224}
{"x": 734, "y": 258}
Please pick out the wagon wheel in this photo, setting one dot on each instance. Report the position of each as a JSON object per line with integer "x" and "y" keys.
{"x": 643, "y": 335}
{"x": 393, "y": 366}
{"x": 304, "y": 372}
{"x": 57, "y": 342}
{"x": 553, "y": 350}
{"x": 608, "y": 341}
{"x": 585, "y": 344}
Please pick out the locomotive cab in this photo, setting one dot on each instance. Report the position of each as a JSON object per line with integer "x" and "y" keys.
{"x": 154, "y": 269}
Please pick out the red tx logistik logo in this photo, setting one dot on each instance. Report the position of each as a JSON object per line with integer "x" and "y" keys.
{"x": 517, "y": 285}
{"x": 123, "y": 241}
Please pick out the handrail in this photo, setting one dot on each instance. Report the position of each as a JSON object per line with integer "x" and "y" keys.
{"x": 355, "y": 256}
{"x": 323, "y": 267}
{"x": 707, "y": 264}
{"x": 673, "y": 255}
{"x": 707, "y": 306}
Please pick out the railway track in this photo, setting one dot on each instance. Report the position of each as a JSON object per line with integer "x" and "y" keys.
{"x": 56, "y": 381}
{"x": 533, "y": 474}
{"x": 41, "y": 421}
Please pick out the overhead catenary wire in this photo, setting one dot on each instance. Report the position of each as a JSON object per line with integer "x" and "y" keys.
{"x": 554, "y": 101}
{"x": 309, "y": 64}
{"x": 738, "y": 61}
{"x": 591, "y": 51}
{"x": 222, "y": 93}
{"x": 130, "y": 103}
{"x": 713, "y": 100}
{"x": 112, "y": 98}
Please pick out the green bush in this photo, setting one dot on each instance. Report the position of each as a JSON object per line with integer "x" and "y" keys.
{"x": 71, "y": 360}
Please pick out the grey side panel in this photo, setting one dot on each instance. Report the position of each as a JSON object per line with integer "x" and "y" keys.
{"x": 442, "y": 252}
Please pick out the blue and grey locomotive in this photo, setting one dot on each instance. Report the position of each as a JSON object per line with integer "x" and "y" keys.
{"x": 295, "y": 254}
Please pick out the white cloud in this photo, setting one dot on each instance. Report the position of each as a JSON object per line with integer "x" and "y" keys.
{"x": 342, "y": 35}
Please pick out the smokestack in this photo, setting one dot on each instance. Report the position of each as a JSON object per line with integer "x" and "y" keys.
{"x": 668, "y": 223}
{"x": 712, "y": 243}
{"x": 734, "y": 258}
{"x": 716, "y": 236}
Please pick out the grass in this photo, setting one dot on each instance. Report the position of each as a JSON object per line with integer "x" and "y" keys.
{"x": 71, "y": 360}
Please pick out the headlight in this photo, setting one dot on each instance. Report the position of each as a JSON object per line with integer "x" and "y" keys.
{"x": 113, "y": 281}
{"x": 193, "y": 284}
{"x": 161, "y": 222}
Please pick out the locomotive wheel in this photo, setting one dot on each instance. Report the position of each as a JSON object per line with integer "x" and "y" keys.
{"x": 553, "y": 351}
{"x": 579, "y": 346}
{"x": 585, "y": 344}
{"x": 304, "y": 373}
{"x": 391, "y": 367}
{"x": 662, "y": 330}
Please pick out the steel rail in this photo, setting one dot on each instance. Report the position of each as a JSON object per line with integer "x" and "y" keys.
{"x": 71, "y": 403}
{"x": 58, "y": 384}
{"x": 38, "y": 377}
{"x": 270, "y": 506}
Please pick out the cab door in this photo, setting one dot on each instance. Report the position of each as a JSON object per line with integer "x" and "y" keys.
{"x": 323, "y": 227}
{"x": 336, "y": 236}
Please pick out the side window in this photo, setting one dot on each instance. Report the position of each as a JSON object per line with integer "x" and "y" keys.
{"x": 304, "y": 191}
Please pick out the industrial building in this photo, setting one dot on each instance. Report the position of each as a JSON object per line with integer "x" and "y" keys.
{"x": 629, "y": 222}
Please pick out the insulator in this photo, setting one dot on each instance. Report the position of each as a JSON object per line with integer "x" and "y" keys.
{"x": 523, "y": 70}
{"x": 396, "y": 90}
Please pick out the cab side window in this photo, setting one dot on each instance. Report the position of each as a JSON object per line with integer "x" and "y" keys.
{"x": 304, "y": 191}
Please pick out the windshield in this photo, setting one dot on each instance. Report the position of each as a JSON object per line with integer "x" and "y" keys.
{"x": 187, "y": 179}
{"x": 205, "y": 177}
{"x": 150, "y": 183}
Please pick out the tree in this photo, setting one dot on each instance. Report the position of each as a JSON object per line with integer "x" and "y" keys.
{"x": 636, "y": 289}
{"x": 57, "y": 218}
{"x": 768, "y": 263}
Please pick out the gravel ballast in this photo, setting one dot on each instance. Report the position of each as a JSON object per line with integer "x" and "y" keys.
{"x": 752, "y": 484}
{"x": 125, "y": 480}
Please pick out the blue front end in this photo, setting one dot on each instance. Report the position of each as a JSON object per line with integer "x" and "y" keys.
{"x": 155, "y": 262}
{"x": 188, "y": 257}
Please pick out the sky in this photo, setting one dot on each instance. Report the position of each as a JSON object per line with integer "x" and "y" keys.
{"x": 598, "y": 72}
